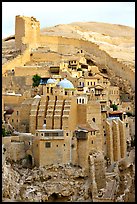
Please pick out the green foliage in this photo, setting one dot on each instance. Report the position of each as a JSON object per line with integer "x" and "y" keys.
{"x": 36, "y": 80}
{"x": 6, "y": 132}
{"x": 129, "y": 114}
{"x": 3, "y": 132}
{"x": 114, "y": 106}
{"x": 79, "y": 69}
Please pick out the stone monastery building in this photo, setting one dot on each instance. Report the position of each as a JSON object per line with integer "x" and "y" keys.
{"x": 70, "y": 118}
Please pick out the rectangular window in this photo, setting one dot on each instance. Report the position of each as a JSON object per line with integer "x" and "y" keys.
{"x": 47, "y": 89}
{"x": 17, "y": 112}
{"x": 91, "y": 83}
{"x": 36, "y": 134}
{"x": 47, "y": 144}
{"x": 51, "y": 90}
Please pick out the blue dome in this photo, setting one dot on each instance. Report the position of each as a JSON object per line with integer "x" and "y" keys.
{"x": 51, "y": 81}
{"x": 66, "y": 84}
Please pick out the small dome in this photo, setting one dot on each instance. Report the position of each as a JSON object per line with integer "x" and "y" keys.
{"x": 66, "y": 84}
{"x": 51, "y": 81}
{"x": 37, "y": 96}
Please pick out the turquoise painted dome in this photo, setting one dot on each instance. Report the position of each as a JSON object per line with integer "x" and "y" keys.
{"x": 66, "y": 84}
{"x": 51, "y": 81}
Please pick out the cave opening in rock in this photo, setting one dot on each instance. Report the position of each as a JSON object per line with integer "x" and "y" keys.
{"x": 30, "y": 159}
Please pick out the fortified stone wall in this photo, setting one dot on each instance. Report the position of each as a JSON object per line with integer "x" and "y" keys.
{"x": 31, "y": 70}
{"x": 27, "y": 29}
{"x": 12, "y": 100}
{"x": 19, "y": 84}
{"x": 20, "y": 60}
{"x": 59, "y": 44}
{"x": 45, "y": 57}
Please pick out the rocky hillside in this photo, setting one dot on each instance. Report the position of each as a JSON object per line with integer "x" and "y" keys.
{"x": 67, "y": 183}
{"x": 117, "y": 40}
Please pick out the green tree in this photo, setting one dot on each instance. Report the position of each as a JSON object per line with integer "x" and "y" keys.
{"x": 114, "y": 106}
{"x": 3, "y": 132}
{"x": 36, "y": 80}
{"x": 79, "y": 69}
{"x": 129, "y": 114}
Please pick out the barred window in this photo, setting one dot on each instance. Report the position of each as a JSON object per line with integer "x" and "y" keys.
{"x": 47, "y": 144}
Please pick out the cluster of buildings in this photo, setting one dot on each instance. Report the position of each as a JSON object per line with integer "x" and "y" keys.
{"x": 69, "y": 118}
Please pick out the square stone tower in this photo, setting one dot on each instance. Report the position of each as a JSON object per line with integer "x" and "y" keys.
{"x": 27, "y": 31}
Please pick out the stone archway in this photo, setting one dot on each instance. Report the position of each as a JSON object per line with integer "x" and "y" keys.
{"x": 30, "y": 158}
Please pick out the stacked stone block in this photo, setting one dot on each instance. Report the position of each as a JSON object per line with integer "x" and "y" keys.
{"x": 116, "y": 141}
{"x": 33, "y": 115}
{"x": 109, "y": 142}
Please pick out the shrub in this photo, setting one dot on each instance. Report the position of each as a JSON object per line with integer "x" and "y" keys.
{"x": 36, "y": 80}
{"x": 114, "y": 106}
{"x": 129, "y": 114}
{"x": 79, "y": 69}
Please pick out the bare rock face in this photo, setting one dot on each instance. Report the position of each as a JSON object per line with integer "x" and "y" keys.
{"x": 126, "y": 182}
{"x": 54, "y": 183}
{"x": 10, "y": 182}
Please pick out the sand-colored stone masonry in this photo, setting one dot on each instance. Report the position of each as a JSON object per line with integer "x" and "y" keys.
{"x": 116, "y": 141}
{"x": 109, "y": 142}
{"x": 123, "y": 145}
{"x": 57, "y": 43}
{"x": 40, "y": 56}
{"x": 31, "y": 70}
{"x": 26, "y": 29}
{"x": 94, "y": 189}
{"x": 51, "y": 155}
{"x": 33, "y": 115}
{"x": 12, "y": 100}
{"x": 113, "y": 95}
{"x": 100, "y": 171}
{"x": 20, "y": 60}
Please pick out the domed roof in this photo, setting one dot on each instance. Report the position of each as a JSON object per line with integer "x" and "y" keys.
{"x": 37, "y": 96}
{"x": 51, "y": 81}
{"x": 66, "y": 84}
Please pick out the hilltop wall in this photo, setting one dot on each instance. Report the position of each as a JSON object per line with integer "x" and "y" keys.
{"x": 64, "y": 45}
{"x": 20, "y": 60}
{"x": 29, "y": 35}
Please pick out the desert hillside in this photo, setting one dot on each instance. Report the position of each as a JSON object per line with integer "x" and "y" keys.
{"x": 117, "y": 40}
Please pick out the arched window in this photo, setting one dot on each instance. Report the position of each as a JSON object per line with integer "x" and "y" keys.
{"x": 82, "y": 100}
{"x": 93, "y": 119}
